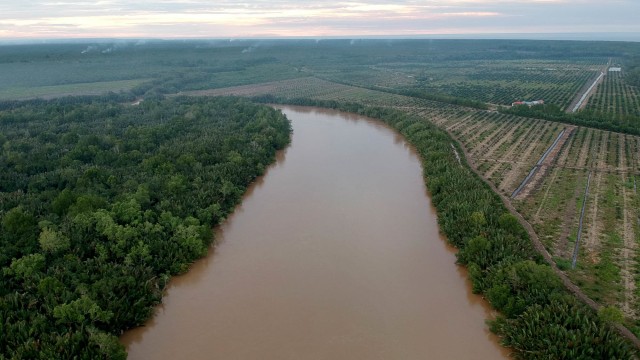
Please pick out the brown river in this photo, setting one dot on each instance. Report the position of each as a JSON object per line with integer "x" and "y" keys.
{"x": 333, "y": 254}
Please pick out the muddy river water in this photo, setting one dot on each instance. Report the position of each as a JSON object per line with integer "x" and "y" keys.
{"x": 333, "y": 254}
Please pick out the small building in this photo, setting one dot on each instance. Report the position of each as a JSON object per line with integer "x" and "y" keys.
{"x": 615, "y": 69}
{"x": 528, "y": 103}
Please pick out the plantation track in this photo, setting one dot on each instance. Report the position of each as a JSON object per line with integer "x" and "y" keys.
{"x": 546, "y": 161}
{"x": 582, "y": 98}
{"x": 554, "y": 176}
{"x": 568, "y": 224}
{"x": 580, "y": 223}
{"x": 601, "y": 160}
{"x": 511, "y": 180}
{"x": 566, "y": 149}
{"x": 592, "y": 242}
{"x": 455, "y": 152}
{"x": 629, "y": 248}
{"x": 584, "y": 151}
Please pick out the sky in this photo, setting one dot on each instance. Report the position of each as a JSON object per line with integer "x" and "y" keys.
{"x": 56, "y": 19}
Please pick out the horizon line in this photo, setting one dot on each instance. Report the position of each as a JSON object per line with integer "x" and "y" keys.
{"x": 559, "y": 36}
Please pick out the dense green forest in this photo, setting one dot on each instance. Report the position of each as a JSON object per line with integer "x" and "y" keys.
{"x": 629, "y": 124}
{"x": 538, "y": 318}
{"x": 101, "y": 202}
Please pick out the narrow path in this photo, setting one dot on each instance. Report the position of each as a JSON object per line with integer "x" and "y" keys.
{"x": 592, "y": 241}
{"x": 628, "y": 251}
{"x": 568, "y": 224}
{"x": 455, "y": 152}
{"x": 593, "y": 161}
{"x": 512, "y": 177}
{"x": 549, "y": 159}
{"x": 580, "y": 222}
{"x": 587, "y": 93}
{"x": 556, "y": 171}
{"x": 583, "y": 156}
{"x": 537, "y": 166}
{"x": 580, "y": 99}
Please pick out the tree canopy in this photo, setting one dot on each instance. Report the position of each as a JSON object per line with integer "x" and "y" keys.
{"x": 101, "y": 202}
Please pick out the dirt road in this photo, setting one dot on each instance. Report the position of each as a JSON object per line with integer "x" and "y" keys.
{"x": 581, "y": 99}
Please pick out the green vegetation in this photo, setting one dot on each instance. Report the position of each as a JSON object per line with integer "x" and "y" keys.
{"x": 91, "y": 181}
{"x": 70, "y": 89}
{"x": 633, "y": 71}
{"x": 101, "y": 202}
{"x": 629, "y": 124}
{"x": 615, "y": 98}
{"x": 463, "y": 72}
{"x": 539, "y": 318}
{"x": 422, "y": 94}
{"x": 168, "y": 67}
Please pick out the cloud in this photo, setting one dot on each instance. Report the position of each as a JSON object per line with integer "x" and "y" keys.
{"x": 200, "y": 18}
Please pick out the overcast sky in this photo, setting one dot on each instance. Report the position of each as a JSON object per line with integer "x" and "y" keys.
{"x": 275, "y": 18}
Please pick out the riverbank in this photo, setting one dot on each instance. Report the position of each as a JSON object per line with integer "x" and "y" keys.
{"x": 500, "y": 256}
{"x": 334, "y": 253}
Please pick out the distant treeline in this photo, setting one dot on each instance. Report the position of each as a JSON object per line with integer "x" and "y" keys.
{"x": 539, "y": 318}
{"x": 101, "y": 202}
{"x": 173, "y": 66}
{"x": 628, "y": 124}
{"x": 120, "y": 97}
